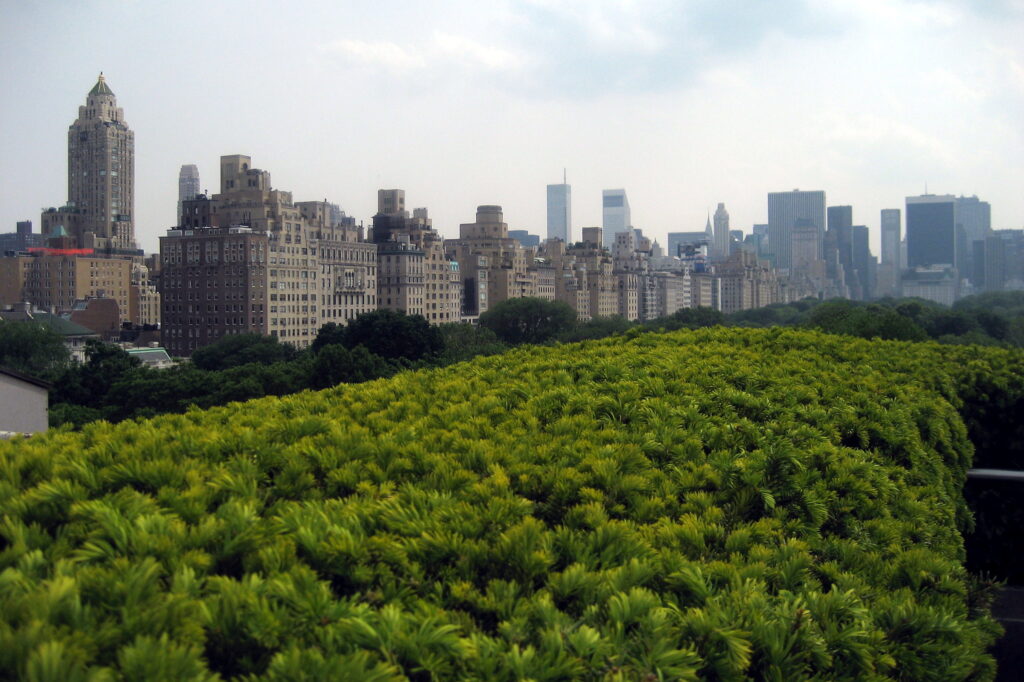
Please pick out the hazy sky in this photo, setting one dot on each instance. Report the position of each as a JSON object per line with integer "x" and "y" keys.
{"x": 684, "y": 104}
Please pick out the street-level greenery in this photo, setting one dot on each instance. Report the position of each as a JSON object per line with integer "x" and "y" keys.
{"x": 712, "y": 504}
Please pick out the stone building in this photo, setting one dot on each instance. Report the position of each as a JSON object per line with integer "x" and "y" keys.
{"x": 143, "y": 297}
{"x": 54, "y": 278}
{"x": 671, "y": 292}
{"x": 602, "y": 287}
{"x": 400, "y": 275}
{"x": 215, "y": 282}
{"x": 511, "y": 269}
{"x": 275, "y": 266}
{"x": 745, "y": 282}
{"x": 568, "y": 277}
{"x": 348, "y": 263}
{"x": 99, "y": 213}
{"x": 416, "y": 275}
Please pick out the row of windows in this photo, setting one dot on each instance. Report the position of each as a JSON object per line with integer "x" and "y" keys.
{"x": 293, "y": 309}
{"x": 230, "y": 308}
{"x": 210, "y": 296}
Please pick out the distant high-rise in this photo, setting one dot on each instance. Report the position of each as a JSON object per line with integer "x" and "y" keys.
{"x": 616, "y": 217}
{"x": 721, "y": 232}
{"x": 560, "y": 212}
{"x": 805, "y": 244}
{"x": 840, "y": 222}
{"x": 862, "y": 262}
{"x": 890, "y": 224}
{"x": 840, "y": 216}
{"x": 973, "y": 224}
{"x": 101, "y": 171}
{"x": 524, "y": 237}
{"x": 784, "y": 210}
{"x": 188, "y": 186}
{"x": 931, "y": 230}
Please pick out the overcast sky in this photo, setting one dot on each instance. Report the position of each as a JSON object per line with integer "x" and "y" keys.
{"x": 683, "y": 103}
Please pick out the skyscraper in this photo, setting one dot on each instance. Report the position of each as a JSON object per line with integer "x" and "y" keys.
{"x": 101, "y": 172}
{"x": 616, "y": 216}
{"x": 862, "y": 262}
{"x": 973, "y": 224}
{"x": 188, "y": 186}
{"x": 560, "y": 212}
{"x": 784, "y": 210}
{"x": 890, "y": 224}
{"x": 721, "y": 233}
{"x": 840, "y": 222}
{"x": 931, "y": 230}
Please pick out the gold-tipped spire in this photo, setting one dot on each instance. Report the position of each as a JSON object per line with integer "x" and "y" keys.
{"x": 101, "y": 87}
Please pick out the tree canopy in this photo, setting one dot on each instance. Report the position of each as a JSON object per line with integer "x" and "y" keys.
{"x": 242, "y": 349}
{"x": 394, "y": 335}
{"x": 33, "y": 349}
{"x": 528, "y": 320}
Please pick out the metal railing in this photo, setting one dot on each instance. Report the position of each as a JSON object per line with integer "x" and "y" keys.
{"x": 996, "y": 475}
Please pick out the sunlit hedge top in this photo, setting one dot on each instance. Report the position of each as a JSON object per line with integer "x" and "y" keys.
{"x": 721, "y": 503}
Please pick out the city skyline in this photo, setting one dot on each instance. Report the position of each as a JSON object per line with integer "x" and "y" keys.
{"x": 669, "y": 118}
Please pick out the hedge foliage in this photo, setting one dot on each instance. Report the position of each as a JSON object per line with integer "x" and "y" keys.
{"x": 718, "y": 504}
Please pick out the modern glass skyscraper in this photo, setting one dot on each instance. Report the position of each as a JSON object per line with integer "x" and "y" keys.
{"x": 560, "y": 212}
{"x": 931, "y": 230}
{"x": 862, "y": 262}
{"x": 188, "y": 186}
{"x": 784, "y": 210}
{"x": 840, "y": 222}
{"x": 616, "y": 216}
{"x": 101, "y": 170}
{"x": 891, "y": 228}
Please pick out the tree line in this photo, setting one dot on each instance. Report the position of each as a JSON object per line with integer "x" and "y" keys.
{"x": 114, "y": 386}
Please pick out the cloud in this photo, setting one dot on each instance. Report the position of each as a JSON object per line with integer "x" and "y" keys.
{"x": 444, "y": 53}
{"x": 589, "y": 49}
{"x": 384, "y": 54}
{"x": 467, "y": 51}
{"x": 599, "y": 47}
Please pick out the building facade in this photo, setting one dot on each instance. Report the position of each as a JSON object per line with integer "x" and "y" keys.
{"x": 55, "y": 278}
{"x": 214, "y": 283}
{"x": 275, "y": 266}
{"x": 784, "y": 210}
{"x": 931, "y": 230}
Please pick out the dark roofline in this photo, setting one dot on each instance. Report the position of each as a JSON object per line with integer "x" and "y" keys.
{"x": 25, "y": 377}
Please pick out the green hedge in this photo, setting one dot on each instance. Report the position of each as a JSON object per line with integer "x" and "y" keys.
{"x": 724, "y": 503}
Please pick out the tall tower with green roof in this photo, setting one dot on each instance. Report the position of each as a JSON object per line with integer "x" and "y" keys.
{"x": 101, "y": 172}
